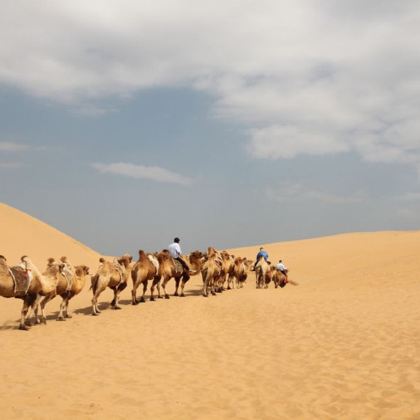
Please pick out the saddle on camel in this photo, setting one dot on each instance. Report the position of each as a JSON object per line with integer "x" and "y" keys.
{"x": 22, "y": 277}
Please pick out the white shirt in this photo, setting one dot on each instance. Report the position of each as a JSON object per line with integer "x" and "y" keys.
{"x": 281, "y": 267}
{"x": 175, "y": 250}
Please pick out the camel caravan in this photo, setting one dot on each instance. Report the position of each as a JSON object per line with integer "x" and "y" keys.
{"x": 219, "y": 270}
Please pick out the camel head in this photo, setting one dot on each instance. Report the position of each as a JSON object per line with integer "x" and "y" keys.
{"x": 63, "y": 259}
{"x": 125, "y": 260}
{"x": 82, "y": 270}
{"x": 128, "y": 256}
{"x": 196, "y": 255}
{"x": 225, "y": 255}
{"x": 3, "y": 259}
{"x": 211, "y": 251}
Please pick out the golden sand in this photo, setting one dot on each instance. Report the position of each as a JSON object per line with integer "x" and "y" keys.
{"x": 344, "y": 344}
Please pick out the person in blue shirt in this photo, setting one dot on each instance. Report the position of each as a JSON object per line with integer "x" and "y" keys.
{"x": 261, "y": 254}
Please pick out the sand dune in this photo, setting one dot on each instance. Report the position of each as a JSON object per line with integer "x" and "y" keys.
{"x": 21, "y": 234}
{"x": 342, "y": 344}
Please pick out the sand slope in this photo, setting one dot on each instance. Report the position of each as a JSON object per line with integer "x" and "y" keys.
{"x": 21, "y": 234}
{"x": 342, "y": 344}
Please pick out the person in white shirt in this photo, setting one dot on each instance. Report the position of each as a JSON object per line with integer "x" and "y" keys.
{"x": 281, "y": 267}
{"x": 175, "y": 252}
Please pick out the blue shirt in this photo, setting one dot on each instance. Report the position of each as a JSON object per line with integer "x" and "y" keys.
{"x": 262, "y": 254}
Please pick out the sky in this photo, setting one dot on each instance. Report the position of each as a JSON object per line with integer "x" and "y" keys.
{"x": 226, "y": 123}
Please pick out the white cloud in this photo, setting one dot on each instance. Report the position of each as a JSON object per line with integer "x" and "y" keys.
{"x": 308, "y": 76}
{"x": 6, "y": 146}
{"x": 154, "y": 173}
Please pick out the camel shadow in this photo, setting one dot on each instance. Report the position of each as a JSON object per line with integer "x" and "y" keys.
{"x": 87, "y": 310}
{"x": 10, "y": 325}
{"x": 196, "y": 292}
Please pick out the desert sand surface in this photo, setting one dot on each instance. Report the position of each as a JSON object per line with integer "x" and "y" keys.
{"x": 344, "y": 344}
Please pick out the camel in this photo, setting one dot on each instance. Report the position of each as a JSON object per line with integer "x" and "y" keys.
{"x": 53, "y": 275}
{"x": 279, "y": 278}
{"x": 270, "y": 276}
{"x": 69, "y": 282}
{"x": 36, "y": 284}
{"x": 168, "y": 268}
{"x": 145, "y": 269}
{"x": 222, "y": 260}
{"x": 68, "y": 292}
{"x": 113, "y": 275}
{"x": 240, "y": 271}
{"x": 227, "y": 267}
{"x": 211, "y": 272}
{"x": 261, "y": 269}
{"x": 196, "y": 260}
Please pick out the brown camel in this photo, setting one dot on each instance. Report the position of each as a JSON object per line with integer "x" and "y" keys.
{"x": 211, "y": 272}
{"x": 196, "y": 260}
{"x": 261, "y": 269}
{"x": 240, "y": 271}
{"x": 270, "y": 276}
{"x": 279, "y": 278}
{"x": 113, "y": 275}
{"x": 227, "y": 267}
{"x": 78, "y": 281}
{"x": 170, "y": 268}
{"x": 70, "y": 282}
{"x": 145, "y": 269}
{"x": 53, "y": 274}
{"x": 219, "y": 275}
{"x": 25, "y": 282}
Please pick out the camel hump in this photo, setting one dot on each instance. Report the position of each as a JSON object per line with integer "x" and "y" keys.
{"x": 51, "y": 260}
{"x": 63, "y": 259}
{"x": 154, "y": 261}
{"x": 101, "y": 260}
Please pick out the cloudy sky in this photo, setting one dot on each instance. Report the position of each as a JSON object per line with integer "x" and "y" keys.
{"x": 125, "y": 123}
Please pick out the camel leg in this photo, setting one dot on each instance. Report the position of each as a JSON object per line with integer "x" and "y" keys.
{"x": 204, "y": 290}
{"x": 184, "y": 279}
{"x": 35, "y": 308}
{"x": 42, "y": 305}
{"x": 25, "y": 308}
{"x": 67, "y": 313}
{"x": 231, "y": 281}
{"x": 164, "y": 282}
{"x": 94, "y": 304}
{"x": 117, "y": 296}
{"x": 213, "y": 286}
{"x": 155, "y": 283}
{"x": 60, "y": 316}
{"x": 177, "y": 280}
{"x": 117, "y": 291}
{"x": 142, "y": 299}
{"x": 114, "y": 302}
{"x": 158, "y": 288}
{"x": 98, "y": 290}
{"x": 134, "y": 293}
